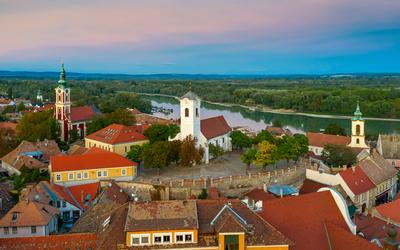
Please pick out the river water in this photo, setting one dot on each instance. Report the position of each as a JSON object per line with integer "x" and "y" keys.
{"x": 258, "y": 120}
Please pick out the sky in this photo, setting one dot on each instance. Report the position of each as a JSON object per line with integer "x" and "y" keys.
{"x": 201, "y": 37}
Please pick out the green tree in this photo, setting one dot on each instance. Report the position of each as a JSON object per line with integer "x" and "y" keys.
{"x": 249, "y": 157}
{"x": 240, "y": 140}
{"x": 300, "y": 146}
{"x": 264, "y": 136}
{"x": 338, "y": 156}
{"x": 125, "y": 100}
{"x": 38, "y": 126}
{"x": 21, "y": 107}
{"x": 203, "y": 195}
{"x": 73, "y": 135}
{"x": 189, "y": 154}
{"x": 215, "y": 150}
{"x": 10, "y": 92}
{"x": 136, "y": 152}
{"x": 9, "y": 109}
{"x": 266, "y": 154}
{"x": 161, "y": 132}
{"x": 119, "y": 116}
{"x": 334, "y": 129}
{"x": 277, "y": 123}
{"x": 8, "y": 141}
{"x": 156, "y": 155}
{"x": 174, "y": 151}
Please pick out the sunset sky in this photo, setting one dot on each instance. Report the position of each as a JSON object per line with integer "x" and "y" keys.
{"x": 207, "y": 36}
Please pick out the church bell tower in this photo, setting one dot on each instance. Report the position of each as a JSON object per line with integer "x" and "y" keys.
{"x": 63, "y": 104}
{"x": 190, "y": 115}
{"x": 357, "y": 130}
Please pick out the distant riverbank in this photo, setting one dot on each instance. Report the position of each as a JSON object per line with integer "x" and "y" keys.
{"x": 262, "y": 108}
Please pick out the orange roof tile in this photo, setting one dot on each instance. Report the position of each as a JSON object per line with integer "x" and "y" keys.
{"x": 51, "y": 242}
{"x": 320, "y": 140}
{"x": 357, "y": 180}
{"x": 310, "y": 186}
{"x": 80, "y": 196}
{"x": 339, "y": 239}
{"x": 117, "y": 133}
{"x": 29, "y": 214}
{"x": 302, "y": 218}
{"x": 390, "y": 210}
{"x": 258, "y": 194}
{"x": 214, "y": 126}
{"x": 89, "y": 161}
{"x": 8, "y": 125}
{"x": 85, "y": 113}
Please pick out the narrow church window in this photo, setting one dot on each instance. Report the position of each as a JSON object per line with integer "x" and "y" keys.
{"x": 186, "y": 112}
{"x": 197, "y": 112}
{"x": 358, "y": 141}
{"x": 358, "y": 130}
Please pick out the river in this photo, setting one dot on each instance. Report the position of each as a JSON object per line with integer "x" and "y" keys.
{"x": 258, "y": 120}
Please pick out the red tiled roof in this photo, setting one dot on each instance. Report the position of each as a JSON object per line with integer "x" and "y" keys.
{"x": 340, "y": 239}
{"x": 78, "y": 193}
{"x": 320, "y": 140}
{"x": 214, "y": 126}
{"x": 51, "y": 242}
{"x": 390, "y": 210}
{"x": 85, "y": 113}
{"x": 357, "y": 180}
{"x": 258, "y": 194}
{"x": 302, "y": 218}
{"x": 373, "y": 227}
{"x": 8, "y": 125}
{"x": 117, "y": 133}
{"x": 29, "y": 214}
{"x": 310, "y": 186}
{"x": 89, "y": 161}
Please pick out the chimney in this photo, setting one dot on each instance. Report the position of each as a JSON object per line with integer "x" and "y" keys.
{"x": 353, "y": 168}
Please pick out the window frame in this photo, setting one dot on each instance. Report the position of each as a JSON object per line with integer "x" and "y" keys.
{"x": 162, "y": 238}
{"x": 140, "y": 236}
{"x": 79, "y": 174}
{"x": 99, "y": 172}
{"x": 123, "y": 172}
{"x": 87, "y": 175}
{"x": 69, "y": 176}
{"x": 14, "y": 230}
{"x": 6, "y": 230}
{"x": 105, "y": 173}
{"x": 183, "y": 234}
{"x": 33, "y": 230}
{"x": 58, "y": 177}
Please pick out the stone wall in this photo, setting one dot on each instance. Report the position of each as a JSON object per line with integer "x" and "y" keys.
{"x": 231, "y": 186}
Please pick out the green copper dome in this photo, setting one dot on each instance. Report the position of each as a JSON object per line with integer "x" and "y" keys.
{"x": 62, "y": 82}
{"x": 357, "y": 113}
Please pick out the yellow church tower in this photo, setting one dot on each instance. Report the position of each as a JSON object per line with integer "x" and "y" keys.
{"x": 357, "y": 130}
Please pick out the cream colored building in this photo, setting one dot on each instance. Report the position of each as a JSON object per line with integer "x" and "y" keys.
{"x": 116, "y": 138}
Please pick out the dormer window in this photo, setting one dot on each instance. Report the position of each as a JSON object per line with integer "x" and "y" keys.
{"x": 14, "y": 216}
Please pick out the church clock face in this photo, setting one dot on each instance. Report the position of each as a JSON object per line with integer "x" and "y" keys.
{"x": 59, "y": 91}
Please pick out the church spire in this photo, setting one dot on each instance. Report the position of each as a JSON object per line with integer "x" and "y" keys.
{"x": 62, "y": 82}
{"x": 357, "y": 113}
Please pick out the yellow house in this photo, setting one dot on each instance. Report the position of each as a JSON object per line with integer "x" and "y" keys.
{"x": 201, "y": 224}
{"x": 94, "y": 165}
{"x": 117, "y": 138}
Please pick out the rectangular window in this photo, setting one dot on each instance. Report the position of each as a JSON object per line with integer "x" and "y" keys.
{"x": 184, "y": 237}
{"x": 64, "y": 204}
{"x": 58, "y": 204}
{"x": 6, "y": 231}
{"x": 140, "y": 239}
{"x": 85, "y": 175}
{"x": 105, "y": 173}
{"x": 58, "y": 177}
{"x": 33, "y": 229}
{"x": 14, "y": 230}
{"x": 98, "y": 173}
{"x": 79, "y": 175}
{"x": 123, "y": 172}
{"x": 164, "y": 238}
{"x": 70, "y": 176}
{"x": 126, "y": 149}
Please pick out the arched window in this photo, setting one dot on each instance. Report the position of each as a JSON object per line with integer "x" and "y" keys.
{"x": 358, "y": 141}
{"x": 186, "y": 112}
{"x": 197, "y": 112}
{"x": 358, "y": 129}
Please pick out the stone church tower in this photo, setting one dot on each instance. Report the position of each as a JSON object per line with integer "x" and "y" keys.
{"x": 357, "y": 130}
{"x": 63, "y": 104}
{"x": 190, "y": 115}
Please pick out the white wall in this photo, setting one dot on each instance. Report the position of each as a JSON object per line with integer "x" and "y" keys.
{"x": 190, "y": 125}
{"x": 24, "y": 232}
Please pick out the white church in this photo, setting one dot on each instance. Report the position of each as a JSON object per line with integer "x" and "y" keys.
{"x": 213, "y": 130}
